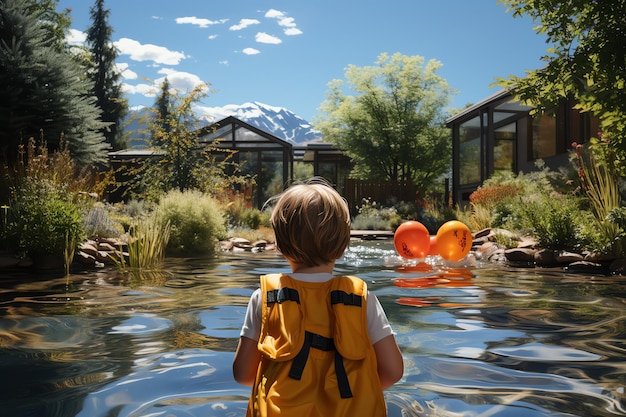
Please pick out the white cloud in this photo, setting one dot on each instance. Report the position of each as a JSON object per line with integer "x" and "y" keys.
{"x": 148, "y": 52}
{"x": 251, "y": 51}
{"x": 181, "y": 81}
{"x": 211, "y": 37}
{"x": 203, "y": 23}
{"x": 287, "y": 22}
{"x": 224, "y": 62}
{"x": 244, "y": 23}
{"x": 293, "y": 31}
{"x": 147, "y": 90}
{"x": 76, "y": 37}
{"x": 263, "y": 37}
{"x": 127, "y": 74}
{"x": 274, "y": 14}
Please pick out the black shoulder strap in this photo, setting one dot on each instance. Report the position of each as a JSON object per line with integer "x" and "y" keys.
{"x": 342, "y": 297}
{"x": 283, "y": 294}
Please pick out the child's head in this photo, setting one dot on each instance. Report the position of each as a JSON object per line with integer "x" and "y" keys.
{"x": 311, "y": 222}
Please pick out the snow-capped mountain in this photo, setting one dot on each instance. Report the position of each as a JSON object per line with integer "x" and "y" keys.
{"x": 278, "y": 121}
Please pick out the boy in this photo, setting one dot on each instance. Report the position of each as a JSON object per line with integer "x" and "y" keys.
{"x": 313, "y": 344}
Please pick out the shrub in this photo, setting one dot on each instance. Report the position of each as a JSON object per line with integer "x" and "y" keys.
{"x": 241, "y": 216}
{"x": 197, "y": 222}
{"x": 41, "y": 222}
{"x": 371, "y": 216}
{"x": 553, "y": 219}
{"x": 99, "y": 222}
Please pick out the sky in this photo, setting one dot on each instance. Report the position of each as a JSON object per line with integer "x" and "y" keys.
{"x": 284, "y": 53}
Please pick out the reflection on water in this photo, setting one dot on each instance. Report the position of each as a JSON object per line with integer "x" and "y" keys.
{"x": 478, "y": 340}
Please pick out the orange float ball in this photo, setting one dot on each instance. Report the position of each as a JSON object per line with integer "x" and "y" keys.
{"x": 454, "y": 240}
{"x": 412, "y": 240}
{"x": 432, "y": 249}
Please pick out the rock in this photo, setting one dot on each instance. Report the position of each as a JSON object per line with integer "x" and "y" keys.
{"x": 599, "y": 257}
{"x": 497, "y": 256}
{"x": 84, "y": 258}
{"x": 485, "y": 250}
{"x": 481, "y": 233}
{"x": 526, "y": 242}
{"x": 545, "y": 257}
{"x": 8, "y": 261}
{"x": 565, "y": 257}
{"x": 226, "y": 245}
{"x": 105, "y": 246}
{"x": 89, "y": 247}
{"x": 586, "y": 267}
{"x": 520, "y": 255}
{"x": 618, "y": 267}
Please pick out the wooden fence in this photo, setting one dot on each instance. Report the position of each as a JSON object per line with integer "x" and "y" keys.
{"x": 354, "y": 191}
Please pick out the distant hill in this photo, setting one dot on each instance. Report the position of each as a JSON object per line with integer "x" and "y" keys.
{"x": 277, "y": 121}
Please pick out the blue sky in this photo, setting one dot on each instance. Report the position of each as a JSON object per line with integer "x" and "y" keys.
{"x": 284, "y": 53}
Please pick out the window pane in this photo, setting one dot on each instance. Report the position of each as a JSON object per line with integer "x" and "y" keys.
{"x": 469, "y": 152}
{"x": 544, "y": 137}
{"x": 504, "y": 148}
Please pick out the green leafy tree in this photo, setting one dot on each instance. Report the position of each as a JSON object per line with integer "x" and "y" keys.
{"x": 180, "y": 162}
{"x": 105, "y": 76}
{"x": 393, "y": 125}
{"x": 585, "y": 61}
{"x": 42, "y": 87}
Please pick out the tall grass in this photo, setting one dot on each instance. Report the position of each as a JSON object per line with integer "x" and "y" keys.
{"x": 598, "y": 179}
{"x": 146, "y": 245}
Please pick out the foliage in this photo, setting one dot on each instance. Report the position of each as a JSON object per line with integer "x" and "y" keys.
{"x": 42, "y": 86}
{"x": 48, "y": 195}
{"x": 393, "y": 126}
{"x": 434, "y": 214}
{"x": 491, "y": 195}
{"x": 372, "y": 216}
{"x": 99, "y": 222}
{"x": 597, "y": 175}
{"x": 239, "y": 215}
{"x": 553, "y": 219}
{"x": 105, "y": 76}
{"x": 261, "y": 233}
{"x": 585, "y": 61}
{"x": 147, "y": 241}
{"x": 179, "y": 161}
{"x": 41, "y": 221}
{"x": 197, "y": 222}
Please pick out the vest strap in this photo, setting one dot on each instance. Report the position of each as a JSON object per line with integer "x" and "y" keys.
{"x": 342, "y": 297}
{"x": 313, "y": 340}
{"x": 283, "y": 294}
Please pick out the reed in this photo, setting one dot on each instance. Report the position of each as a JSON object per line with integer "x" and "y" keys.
{"x": 146, "y": 245}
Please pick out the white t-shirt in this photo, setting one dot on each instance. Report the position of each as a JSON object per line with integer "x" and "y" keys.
{"x": 377, "y": 322}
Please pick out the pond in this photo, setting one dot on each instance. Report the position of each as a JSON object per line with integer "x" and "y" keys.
{"x": 483, "y": 340}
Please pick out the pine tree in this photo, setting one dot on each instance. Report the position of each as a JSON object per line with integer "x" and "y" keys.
{"x": 163, "y": 123}
{"x": 42, "y": 87}
{"x": 105, "y": 77}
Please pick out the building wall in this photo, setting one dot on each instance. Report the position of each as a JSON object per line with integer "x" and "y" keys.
{"x": 499, "y": 134}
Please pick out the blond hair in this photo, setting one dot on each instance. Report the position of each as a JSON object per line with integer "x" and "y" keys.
{"x": 311, "y": 222}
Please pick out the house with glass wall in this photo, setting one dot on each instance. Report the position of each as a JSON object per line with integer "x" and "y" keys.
{"x": 256, "y": 153}
{"x": 499, "y": 134}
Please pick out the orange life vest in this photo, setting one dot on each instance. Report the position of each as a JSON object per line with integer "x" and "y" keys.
{"x": 317, "y": 357}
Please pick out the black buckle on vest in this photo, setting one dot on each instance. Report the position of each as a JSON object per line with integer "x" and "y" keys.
{"x": 326, "y": 344}
{"x": 283, "y": 294}
{"x": 342, "y": 297}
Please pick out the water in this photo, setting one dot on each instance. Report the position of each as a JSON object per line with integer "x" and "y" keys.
{"x": 485, "y": 340}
